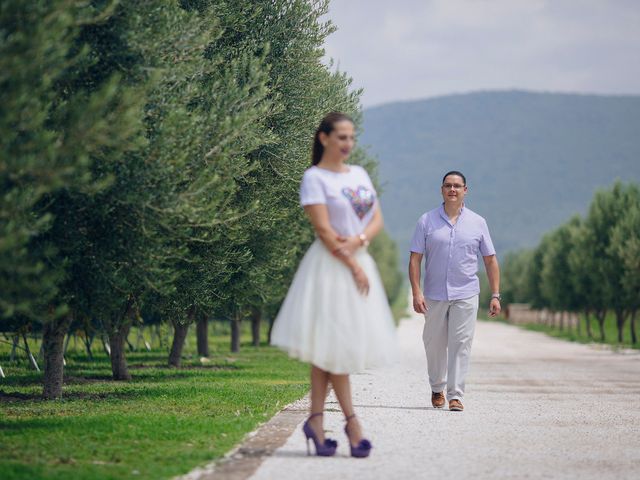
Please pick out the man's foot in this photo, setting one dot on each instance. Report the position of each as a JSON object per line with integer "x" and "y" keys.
{"x": 455, "y": 405}
{"x": 437, "y": 399}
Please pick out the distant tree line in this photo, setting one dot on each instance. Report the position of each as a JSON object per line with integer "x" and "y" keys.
{"x": 588, "y": 265}
{"x": 150, "y": 159}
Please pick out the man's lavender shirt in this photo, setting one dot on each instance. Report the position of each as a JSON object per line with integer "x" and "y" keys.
{"x": 451, "y": 253}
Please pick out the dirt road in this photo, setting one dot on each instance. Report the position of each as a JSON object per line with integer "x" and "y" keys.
{"x": 535, "y": 407}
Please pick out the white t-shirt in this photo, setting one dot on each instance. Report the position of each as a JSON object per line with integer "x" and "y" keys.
{"x": 349, "y": 196}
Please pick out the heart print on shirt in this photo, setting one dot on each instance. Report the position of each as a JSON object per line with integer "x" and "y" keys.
{"x": 361, "y": 199}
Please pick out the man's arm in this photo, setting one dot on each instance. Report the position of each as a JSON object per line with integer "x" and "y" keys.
{"x": 493, "y": 274}
{"x": 419, "y": 303}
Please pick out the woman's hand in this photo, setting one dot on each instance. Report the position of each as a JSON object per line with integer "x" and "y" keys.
{"x": 348, "y": 245}
{"x": 362, "y": 282}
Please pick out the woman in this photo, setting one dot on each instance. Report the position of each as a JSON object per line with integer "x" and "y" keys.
{"x": 336, "y": 314}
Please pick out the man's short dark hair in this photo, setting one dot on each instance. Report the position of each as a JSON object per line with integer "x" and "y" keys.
{"x": 455, "y": 172}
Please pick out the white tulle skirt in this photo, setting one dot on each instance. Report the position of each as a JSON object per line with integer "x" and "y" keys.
{"x": 325, "y": 321}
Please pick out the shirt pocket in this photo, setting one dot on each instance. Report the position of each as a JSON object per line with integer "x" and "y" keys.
{"x": 469, "y": 244}
{"x": 468, "y": 247}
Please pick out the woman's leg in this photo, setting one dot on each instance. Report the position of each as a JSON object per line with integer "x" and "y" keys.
{"x": 319, "y": 383}
{"x": 342, "y": 389}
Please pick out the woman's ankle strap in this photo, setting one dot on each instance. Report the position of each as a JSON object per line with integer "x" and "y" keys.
{"x": 349, "y": 417}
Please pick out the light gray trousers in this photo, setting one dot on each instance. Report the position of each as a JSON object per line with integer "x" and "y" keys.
{"x": 447, "y": 336}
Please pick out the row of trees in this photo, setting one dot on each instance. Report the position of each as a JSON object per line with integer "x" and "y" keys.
{"x": 151, "y": 154}
{"x": 589, "y": 265}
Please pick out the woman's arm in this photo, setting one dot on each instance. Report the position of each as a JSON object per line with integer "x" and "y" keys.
{"x": 349, "y": 245}
{"x": 319, "y": 217}
{"x": 375, "y": 225}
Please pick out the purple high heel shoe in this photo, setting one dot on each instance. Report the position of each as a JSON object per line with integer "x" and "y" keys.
{"x": 326, "y": 449}
{"x": 363, "y": 449}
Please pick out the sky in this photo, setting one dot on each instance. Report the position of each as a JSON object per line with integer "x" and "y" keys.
{"x": 414, "y": 49}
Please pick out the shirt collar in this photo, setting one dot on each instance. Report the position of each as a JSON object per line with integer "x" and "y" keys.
{"x": 444, "y": 215}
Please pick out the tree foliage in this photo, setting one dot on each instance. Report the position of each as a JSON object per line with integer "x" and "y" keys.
{"x": 589, "y": 265}
{"x": 151, "y": 159}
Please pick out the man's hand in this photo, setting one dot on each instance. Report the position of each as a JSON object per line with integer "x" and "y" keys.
{"x": 419, "y": 304}
{"x": 494, "y": 307}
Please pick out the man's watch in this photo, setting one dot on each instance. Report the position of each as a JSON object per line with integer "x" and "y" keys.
{"x": 363, "y": 238}
{"x": 496, "y": 296}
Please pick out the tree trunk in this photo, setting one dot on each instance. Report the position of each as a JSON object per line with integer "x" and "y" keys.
{"x": 88, "y": 340}
{"x": 53, "y": 344}
{"x": 562, "y": 318}
{"x": 202, "y": 335}
{"x": 235, "y": 332}
{"x": 600, "y": 316}
{"x": 271, "y": 322}
{"x": 256, "y": 318}
{"x": 32, "y": 359}
{"x": 105, "y": 345}
{"x": 14, "y": 346}
{"x": 620, "y": 319}
{"x": 180, "y": 331}
{"x": 89, "y": 334}
{"x": 587, "y": 319}
{"x": 159, "y": 334}
{"x": 155, "y": 334}
{"x": 147, "y": 345}
{"x": 140, "y": 338}
{"x": 132, "y": 348}
{"x": 632, "y": 326}
{"x": 117, "y": 341}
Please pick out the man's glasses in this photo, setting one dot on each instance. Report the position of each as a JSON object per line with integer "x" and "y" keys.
{"x": 455, "y": 186}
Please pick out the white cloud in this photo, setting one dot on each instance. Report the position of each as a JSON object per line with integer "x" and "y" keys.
{"x": 409, "y": 49}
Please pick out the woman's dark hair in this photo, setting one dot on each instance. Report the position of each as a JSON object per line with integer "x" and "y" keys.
{"x": 327, "y": 125}
{"x": 455, "y": 172}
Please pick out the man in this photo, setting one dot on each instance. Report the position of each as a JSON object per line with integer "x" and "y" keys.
{"x": 451, "y": 236}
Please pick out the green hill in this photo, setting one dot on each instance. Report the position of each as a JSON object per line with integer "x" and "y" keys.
{"x": 531, "y": 159}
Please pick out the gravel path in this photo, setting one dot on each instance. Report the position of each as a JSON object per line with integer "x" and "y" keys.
{"x": 535, "y": 407}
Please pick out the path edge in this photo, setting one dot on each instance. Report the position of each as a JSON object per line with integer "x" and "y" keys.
{"x": 242, "y": 462}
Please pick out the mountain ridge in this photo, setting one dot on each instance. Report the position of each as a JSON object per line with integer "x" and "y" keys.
{"x": 532, "y": 159}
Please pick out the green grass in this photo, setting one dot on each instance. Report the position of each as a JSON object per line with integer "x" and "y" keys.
{"x": 161, "y": 424}
{"x": 573, "y": 335}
